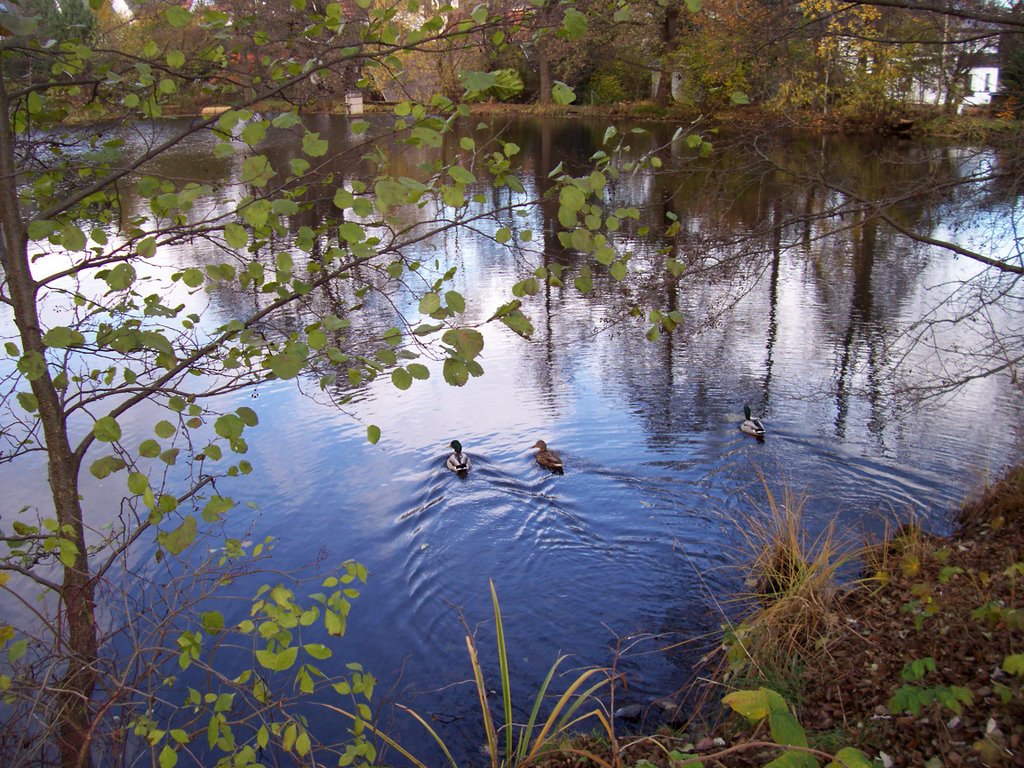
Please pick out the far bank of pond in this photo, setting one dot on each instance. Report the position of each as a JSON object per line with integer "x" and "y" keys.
{"x": 912, "y": 121}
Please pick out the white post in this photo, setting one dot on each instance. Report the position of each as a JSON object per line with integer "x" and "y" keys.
{"x": 354, "y": 102}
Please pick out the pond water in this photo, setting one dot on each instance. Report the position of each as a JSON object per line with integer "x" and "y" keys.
{"x": 631, "y": 556}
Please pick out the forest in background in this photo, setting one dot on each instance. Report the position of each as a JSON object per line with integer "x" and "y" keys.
{"x": 859, "y": 63}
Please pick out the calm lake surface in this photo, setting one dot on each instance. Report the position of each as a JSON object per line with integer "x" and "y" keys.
{"x": 636, "y": 547}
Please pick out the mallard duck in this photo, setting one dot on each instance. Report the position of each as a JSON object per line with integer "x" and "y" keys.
{"x": 548, "y": 459}
{"x": 458, "y": 462}
{"x": 750, "y": 425}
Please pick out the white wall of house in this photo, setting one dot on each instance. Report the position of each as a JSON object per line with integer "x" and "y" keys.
{"x": 982, "y": 82}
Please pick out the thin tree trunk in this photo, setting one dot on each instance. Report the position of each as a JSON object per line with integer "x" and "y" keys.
{"x": 79, "y": 647}
{"x": 669, "y": 30}
{"x": 544, "y": 97}
{"x": 542, "y": 41}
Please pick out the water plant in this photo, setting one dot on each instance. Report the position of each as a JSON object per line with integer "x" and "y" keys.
{"x": 519, "y": 744}
{"x": 794, "y": 585}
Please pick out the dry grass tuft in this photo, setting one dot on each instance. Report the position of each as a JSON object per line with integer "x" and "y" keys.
{"x": 793, "y": 581}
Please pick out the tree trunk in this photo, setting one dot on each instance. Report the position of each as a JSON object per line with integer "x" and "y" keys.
{"x": 543, "y": 43}
{"x": 79, "y": 645}
{"x": 669, "y": 30}
{"x": 544, "y": 97}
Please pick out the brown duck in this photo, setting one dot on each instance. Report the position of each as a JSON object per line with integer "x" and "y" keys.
{"x": 548, "y": 459}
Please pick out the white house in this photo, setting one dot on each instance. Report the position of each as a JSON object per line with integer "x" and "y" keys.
{"x": 982, "y": 82}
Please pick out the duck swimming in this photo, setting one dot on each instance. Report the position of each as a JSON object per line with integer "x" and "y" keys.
{"x": 548, "y": 459}
{"x": 750, "y": 425}
{"x": 457, "y": 462}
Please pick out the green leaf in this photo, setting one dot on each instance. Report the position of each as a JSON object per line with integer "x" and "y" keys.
{"x": 17, "y": 650}
{"x": 256, "y": 171}
{"x": 425, "y": 329}
{"x": 793, "y": 759}
{"x": 229, "y": 426}
{"x": 164, "y": 429}
{"x": 430, "y": 303}
{"x": 177, "y": 17}
{"x": 562, "y": 94}
{"x": 61, "y": 338}
{"x": 477, "y": 82}
{"x": 137, "y": 483}
{"x": 149, "y": 449}
{"x": 168, "y": 757}
{"x": 254, "y": 132}
{"x": 120, "y": 278}
{"x": 72, "y": 238}
{"x": 373, "y": 434}
{"x": 175, "y": 59}
{"x": 582, "y": 240}
{"x": 753, "y": 705}
{"x": 313, "y": 145}
{"x": 351, "y": 232}
{"x": 455, "y": 372}
{"x": 106, "y": 429}
{"x": 468, "y": 342}
{"x": 106, "y": 466}
{"x": 216, "y": 508}
{"x": 1014, "y": 664}
{"x": 694, "y": 6}
{"x": 303, "y": 744}
{"x": 418, "y": 371}
{"x": 248, "y": 416}
{"x": 584, "y": 283}
{"x": 286, "y": 120}
{"x": 401, "y": 378}
{"x": 317, "y": 650}
{"x": 286, "y": 365}
{"x": 28, "y": 401}
{"x": 212, "y": 621}
{"x": 460, "y": 175}
{"x": 178, "y": 540}
{"x": 455, "y": 302}
{"x": 192, "y": 277}
{"x": 850, "y": 757}
{"x": 15, "y": 23}
{"x": 786, "y": 730}
{"x": 32, "y": 365}
{"x": 574, "y": 24}
{"x": 519, "y": 323}
{"x": 236, "y": 236}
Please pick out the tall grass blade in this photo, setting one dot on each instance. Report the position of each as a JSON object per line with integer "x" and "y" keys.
{"x": 524, "y": 740}
{"x": 433, "y": 733}
{"x": 485, "y": 712}
{"x": 550, "y": 725}
{"x": 506, "y": 688}
{"x": 565, "y": 723}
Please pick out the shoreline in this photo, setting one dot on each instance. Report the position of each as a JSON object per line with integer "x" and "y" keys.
{"x": 918, "y": 663}
{"x": 911, "y": 123}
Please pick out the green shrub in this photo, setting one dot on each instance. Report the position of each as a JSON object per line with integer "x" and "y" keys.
{"x": 606, "y": 89}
